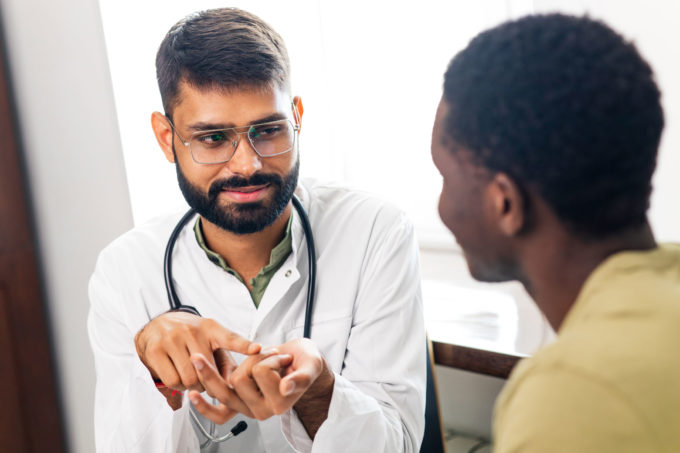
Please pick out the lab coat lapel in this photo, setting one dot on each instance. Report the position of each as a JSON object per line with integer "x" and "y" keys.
{"x": 289, "y": 273}
{"x": 215, "y": 293}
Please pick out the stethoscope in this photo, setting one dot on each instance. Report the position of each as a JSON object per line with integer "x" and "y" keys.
{"x": 176, "y": 304}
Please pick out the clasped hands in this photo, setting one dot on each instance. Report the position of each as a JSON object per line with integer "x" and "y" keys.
{"x": 185, "y": 351}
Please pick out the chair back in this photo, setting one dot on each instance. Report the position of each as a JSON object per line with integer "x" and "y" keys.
{"x": 433, "y": 440}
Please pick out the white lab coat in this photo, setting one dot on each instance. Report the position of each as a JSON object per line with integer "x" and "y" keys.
{"x": 367, "y": 322}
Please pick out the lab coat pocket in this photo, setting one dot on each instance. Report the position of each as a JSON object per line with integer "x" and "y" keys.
{"x": 330, "y": 333}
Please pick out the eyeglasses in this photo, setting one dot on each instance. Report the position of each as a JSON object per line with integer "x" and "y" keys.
{"x": 217, "y": 146}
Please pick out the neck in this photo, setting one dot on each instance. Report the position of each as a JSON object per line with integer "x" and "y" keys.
{"x": 557, "y": 265}
{"x": 246, "y": 253}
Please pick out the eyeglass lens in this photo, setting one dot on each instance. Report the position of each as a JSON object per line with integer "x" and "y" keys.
{"x": 268, "y": 139}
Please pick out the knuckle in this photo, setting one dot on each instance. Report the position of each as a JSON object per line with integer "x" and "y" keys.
{"x": 190, "y": 381}
{"x": 186, "y": 330}
{"x": 153, "y": 349}
{"x": 171, "y": 339}
{"x": 258, "y": 369}
{"x": 239, "y": 378}
{"x": 209, "y": 392}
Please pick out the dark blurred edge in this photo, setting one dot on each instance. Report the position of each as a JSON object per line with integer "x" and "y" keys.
{"x": 31, "y": 417}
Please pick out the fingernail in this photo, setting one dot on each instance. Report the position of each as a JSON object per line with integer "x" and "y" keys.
{"x": 198, "y": 364}
{"x": 289, "y": 388}
{"x": 269, "y": 351}
{"x": 194, "y": 399}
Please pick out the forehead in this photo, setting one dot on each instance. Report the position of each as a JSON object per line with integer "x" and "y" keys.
{"x": 229, "y": 107}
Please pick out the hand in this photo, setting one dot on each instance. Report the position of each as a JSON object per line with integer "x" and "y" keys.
{"x": 267, "y": 384}
{"x": 217, "y": 382}
{"x": 166, "y": 342}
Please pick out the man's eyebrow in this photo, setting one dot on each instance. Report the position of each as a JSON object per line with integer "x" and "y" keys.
{"x": 205, "y": 126}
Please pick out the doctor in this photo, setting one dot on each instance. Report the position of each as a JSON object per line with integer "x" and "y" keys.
{"x": 232, "y": 129}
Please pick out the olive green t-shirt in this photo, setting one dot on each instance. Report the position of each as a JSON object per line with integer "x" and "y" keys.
{"x": 260, "y": 282}
{"x": 611, "y": 380}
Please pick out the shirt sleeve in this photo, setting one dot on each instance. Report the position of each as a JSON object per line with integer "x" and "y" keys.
{"x": 563, "y": 410}
{"x": 378, "y": 400}
{"x": 130, "y": 414}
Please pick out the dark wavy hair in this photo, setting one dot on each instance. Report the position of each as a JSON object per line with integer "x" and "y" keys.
{"x": 566, "y": 107}
{"x": 221, "y": 48}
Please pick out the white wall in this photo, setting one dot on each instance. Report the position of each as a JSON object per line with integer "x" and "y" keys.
{"x": 59, "y": 69}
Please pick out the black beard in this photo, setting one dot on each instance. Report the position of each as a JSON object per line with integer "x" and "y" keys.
{"x": 241, "y": 218}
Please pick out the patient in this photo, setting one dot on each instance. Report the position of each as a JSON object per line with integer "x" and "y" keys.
{"x": 546, "y": 137}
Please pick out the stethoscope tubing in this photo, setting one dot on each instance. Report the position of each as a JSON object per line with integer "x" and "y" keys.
{"x": 173, "y": 298}
{"x": 176, "y": 304}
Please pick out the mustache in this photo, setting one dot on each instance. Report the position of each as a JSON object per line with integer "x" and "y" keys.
{"x": 235, "y": 182}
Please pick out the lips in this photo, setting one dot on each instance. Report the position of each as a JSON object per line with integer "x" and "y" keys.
{"x": 249, "y": 189}
{"x": 246, "y": 194}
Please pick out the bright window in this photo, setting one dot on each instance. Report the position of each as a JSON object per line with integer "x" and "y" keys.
{"x": 369, "y": 73}
{"x": 370, "y": 76}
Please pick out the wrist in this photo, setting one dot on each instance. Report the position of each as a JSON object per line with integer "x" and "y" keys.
{"x": 312, "y": 407}
{"x": 321, "y": 389}
{"x": 140, "y": 346}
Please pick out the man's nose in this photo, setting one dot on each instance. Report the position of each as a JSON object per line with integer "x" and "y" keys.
{"x": 245, "y": 160}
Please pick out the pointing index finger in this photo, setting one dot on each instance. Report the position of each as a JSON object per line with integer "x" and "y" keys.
{"x": 226, "y": 339}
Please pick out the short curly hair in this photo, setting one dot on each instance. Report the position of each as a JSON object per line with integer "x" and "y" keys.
{"x": 565, "y": 106}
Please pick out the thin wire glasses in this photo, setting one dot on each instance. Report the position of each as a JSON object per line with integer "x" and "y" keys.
{"x": 217, "y": 146}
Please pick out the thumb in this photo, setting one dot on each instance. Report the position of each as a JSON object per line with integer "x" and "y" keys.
{"x": 297, "y": 381}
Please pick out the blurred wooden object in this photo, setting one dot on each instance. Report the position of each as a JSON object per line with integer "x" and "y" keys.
{"x": 30, "y": 419}
{"x": 480, "y": 361}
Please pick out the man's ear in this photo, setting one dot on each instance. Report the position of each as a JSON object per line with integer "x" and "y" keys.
{"x": 298, "y": 110}
{"x": 508, "y": 204}
{"x": 164, "y": 134}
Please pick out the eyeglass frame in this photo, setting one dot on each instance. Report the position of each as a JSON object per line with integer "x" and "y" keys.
{"x": 296, "y": 129}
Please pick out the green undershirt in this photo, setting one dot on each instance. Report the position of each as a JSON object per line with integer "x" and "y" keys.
{"x": 260, "y": 282}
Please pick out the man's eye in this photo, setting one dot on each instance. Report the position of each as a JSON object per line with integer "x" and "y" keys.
{"x": 213, "y": 138}
{"x": 264, "y": 132}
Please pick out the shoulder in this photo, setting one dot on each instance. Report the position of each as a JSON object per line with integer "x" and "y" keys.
{"x": 127, "y": 282}
{"x": 143, "y": 243}
{"x": 552, "y": 406}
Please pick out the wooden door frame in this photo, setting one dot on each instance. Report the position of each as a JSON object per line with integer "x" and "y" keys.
{"x": 30, "y": 416}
